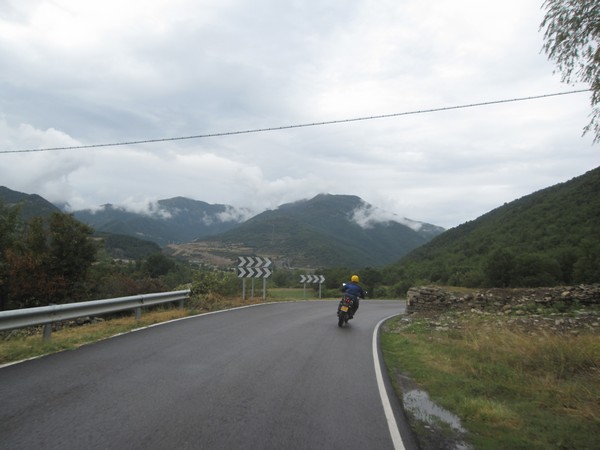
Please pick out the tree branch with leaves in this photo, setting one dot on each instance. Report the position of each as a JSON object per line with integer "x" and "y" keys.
{"x": 572, "y": 41}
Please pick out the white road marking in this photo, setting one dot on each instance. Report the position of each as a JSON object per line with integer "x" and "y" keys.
{"x": 387, "y": 407}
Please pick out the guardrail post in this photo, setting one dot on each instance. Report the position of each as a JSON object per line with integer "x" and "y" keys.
{"x": 47, "y": 331}
{"x": 138, "y": 313}
{"x": 181, "y": 303}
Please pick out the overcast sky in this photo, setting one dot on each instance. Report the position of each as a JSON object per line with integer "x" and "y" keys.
{"x": 78, "y": 72}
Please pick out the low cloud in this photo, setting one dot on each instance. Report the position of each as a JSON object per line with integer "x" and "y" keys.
{"x": 232, "y": 214}
{"x": 155, "y": 210}
{"x": 72, "y": 77}
{"x": 367, "y": 216}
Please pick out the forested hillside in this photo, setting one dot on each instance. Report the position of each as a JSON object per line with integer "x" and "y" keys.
{"x": 549, "y": 237}
{"x": 329, "y": 231}
{"x": 47, "y": 257}
{"x": 29, "y": 205}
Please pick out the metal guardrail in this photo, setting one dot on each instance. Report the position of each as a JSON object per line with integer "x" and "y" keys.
{"x": 46, "y": 315}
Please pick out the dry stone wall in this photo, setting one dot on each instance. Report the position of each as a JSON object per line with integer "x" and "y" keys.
{"x": 508, "y": 301}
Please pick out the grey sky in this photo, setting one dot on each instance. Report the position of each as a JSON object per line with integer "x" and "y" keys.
{"x": 79, "y": 73}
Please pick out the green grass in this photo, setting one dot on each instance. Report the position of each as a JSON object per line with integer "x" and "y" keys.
{"x": 281, "y": 294}
{"x": 510, "y": 389}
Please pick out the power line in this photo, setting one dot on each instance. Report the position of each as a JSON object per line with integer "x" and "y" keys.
{"x": 288, "y": 127}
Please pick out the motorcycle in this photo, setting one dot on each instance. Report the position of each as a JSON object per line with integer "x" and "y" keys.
{"x": 345, "y": 307}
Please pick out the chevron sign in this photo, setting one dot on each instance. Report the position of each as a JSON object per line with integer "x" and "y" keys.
{"x": 254, "y": 261}
{"x": 312, "y": 279}
{"x": 254, "y": 272}
{"x": 254, "y": 267}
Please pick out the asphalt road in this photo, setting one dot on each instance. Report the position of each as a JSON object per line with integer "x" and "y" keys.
{"x": 265, "y": 377}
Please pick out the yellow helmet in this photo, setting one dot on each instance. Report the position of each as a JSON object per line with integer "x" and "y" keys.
{"x": 355, "y": 279}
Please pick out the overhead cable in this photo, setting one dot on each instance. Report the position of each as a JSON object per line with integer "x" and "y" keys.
{"x": 288, "y": 127}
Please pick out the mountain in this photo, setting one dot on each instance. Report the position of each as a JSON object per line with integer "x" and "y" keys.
{"x": 326, "y": 231}
{"x": 115, "y": 245}
{"x": 173, "y": 220}
{"x": 549, "y": 237}
{"x": 31, "y": 205}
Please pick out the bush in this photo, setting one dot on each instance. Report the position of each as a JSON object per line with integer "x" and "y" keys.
{"x": 213, "y": 283}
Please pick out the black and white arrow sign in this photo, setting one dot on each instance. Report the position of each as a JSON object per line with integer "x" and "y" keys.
{"x": 254, "y": 272}
{"x": 312, "y": 278}
{"x": 254, "y": 267}
{"x": 254, "y": 261}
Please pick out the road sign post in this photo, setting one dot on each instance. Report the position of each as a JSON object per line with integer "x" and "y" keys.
{"x": 254, "y": 267}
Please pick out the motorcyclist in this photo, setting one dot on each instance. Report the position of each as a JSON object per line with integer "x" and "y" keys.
{"x": 353, "y": 289}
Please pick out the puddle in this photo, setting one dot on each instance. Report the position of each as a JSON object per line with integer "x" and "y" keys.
{"x": 419, "y": 404}
{"x": 440, "y": 428}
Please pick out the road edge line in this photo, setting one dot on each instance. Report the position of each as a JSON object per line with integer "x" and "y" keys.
{"x": 134, "y": 330}
{"x": 385, "y": 401}
{"x": 12, "y": 363}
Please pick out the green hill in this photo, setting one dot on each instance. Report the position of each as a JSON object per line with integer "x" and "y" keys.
{"x": 549, "y": 237}
{"x": 121, "y": 246}
{"x": 31, "y": 205}
{"x": 115, "y": 245}
{"x": 325, "y": 232}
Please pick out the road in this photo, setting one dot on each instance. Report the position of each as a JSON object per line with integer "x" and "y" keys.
{"x": 272, "y": 376}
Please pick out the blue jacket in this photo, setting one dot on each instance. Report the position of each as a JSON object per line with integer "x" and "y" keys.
{"x": 353, "y": 289}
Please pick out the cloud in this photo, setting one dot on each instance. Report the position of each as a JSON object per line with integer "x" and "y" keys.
{"x": 232, "y": 214}
{"x": 47, "y": 174}
{"x": 367, "y": 216}
{"x": 86, "y": 72}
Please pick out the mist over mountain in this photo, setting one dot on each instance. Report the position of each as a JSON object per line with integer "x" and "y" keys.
{"x": 174, "y": 220}
{"x": 325, "y": 231}
{"x": 548, "y": 237}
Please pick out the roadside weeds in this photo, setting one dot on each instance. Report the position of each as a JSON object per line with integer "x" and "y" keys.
{"x": 510, "y": 383}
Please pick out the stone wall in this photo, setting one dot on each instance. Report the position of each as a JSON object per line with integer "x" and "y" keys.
{"x": 435, "y": 299}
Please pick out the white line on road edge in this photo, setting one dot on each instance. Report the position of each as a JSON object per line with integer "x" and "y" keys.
{"x": 145, "y": 327}
{"x": 387, "y": 407}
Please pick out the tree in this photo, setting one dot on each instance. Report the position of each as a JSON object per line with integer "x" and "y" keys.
{"x": 157, "y": 265}
{"x": 370, "y": 278}
{"x": 48, "y": 263}
{"x": 9, "y": 227}
{"x": 587, "y": 267}
{"x": 572, "y": 41}
{"x": 71, "y": 253}
{"x": 499, "y": 268}
{"x": 535, "y": 270}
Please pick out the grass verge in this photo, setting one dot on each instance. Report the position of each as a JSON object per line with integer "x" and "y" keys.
{"x": 283, "y": 294}
{"x": 511, "y": 389}
{"x": 19, "y": 347}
